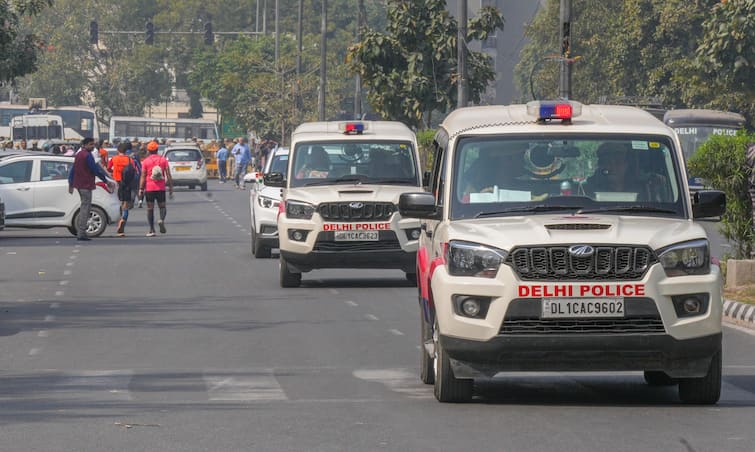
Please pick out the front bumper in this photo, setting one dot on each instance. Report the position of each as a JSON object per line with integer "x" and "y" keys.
{"x": 678, "y": 358}
{"x": 390, "y": 259}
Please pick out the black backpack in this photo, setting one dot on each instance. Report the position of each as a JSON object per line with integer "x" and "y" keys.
{"x": 128, "y": 175}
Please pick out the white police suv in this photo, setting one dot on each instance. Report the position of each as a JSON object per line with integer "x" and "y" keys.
{"x": 561, "y": 237}
{"x": 340, "y": 203}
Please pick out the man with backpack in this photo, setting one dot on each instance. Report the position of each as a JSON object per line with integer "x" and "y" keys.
{"x": 152, "y": 184}
{"x": 124, "y": 172}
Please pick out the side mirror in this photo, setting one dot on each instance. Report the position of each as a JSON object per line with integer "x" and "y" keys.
{"x": 426, "y": 178}
{"x": 274, "y": 180}
{"x": 418, "y": 205}
{"x": 708, "y": 203}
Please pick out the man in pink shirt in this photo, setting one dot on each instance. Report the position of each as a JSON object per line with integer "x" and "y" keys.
{"x": 155, "y": 177}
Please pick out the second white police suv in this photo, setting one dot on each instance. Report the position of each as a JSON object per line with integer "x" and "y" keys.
{"x": 560, "y": 237}
{"x": 340, "y": 198}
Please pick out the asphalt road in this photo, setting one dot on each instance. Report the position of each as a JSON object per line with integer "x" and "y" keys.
{"x": 183, "y": 342}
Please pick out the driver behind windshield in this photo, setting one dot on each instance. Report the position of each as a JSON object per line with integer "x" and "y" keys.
{"x": 317, "y": 164}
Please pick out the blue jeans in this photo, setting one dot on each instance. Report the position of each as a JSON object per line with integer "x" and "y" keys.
{"x": 240, "y": 172}
{"x": 222, "y": 170}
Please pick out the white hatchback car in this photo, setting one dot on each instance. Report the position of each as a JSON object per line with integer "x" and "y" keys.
{"x": 34, "y": 187}
{"x": 263, "y": 204}
{"x": 187, "y": 165}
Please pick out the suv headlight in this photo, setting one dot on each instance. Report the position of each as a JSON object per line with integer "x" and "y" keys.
{"x": 473, "y": 259}
{"x": 299, "y": 210}
{"x": 688, "y": 258}
{"x": 266, "y": 202}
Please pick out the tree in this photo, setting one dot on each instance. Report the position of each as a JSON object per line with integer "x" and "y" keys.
{"x": 18, "y": 48}
{"x": 411, "y": 69}
{"x": 727, "y": 54}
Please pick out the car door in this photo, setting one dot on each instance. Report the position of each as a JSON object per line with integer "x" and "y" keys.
{"x": 16, "y": 191}
{"x": 53, "y": 205}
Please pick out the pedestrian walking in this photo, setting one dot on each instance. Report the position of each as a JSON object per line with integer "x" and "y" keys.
{"x": 125, "y": 174}
{"x": 81, "y": 177}
{"x": 222, "y": 157}
{"x": 242, "y": 155}
{"x": 152, "y": 184}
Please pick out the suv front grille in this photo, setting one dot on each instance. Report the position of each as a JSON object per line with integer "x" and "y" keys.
{"x": 556, "y": 263}
{"x": 356, "y": 211}
{"x": 638, "y": 325}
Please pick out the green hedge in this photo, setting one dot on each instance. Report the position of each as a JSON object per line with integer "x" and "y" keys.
{"x": 722, "y": 162}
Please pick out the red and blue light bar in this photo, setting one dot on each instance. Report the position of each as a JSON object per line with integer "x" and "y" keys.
{"x": 549, "y": 110}
{"x": 353, "y": 128}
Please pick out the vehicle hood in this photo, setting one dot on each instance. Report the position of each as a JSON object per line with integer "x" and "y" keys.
{"x": 345, "y": 193}
{"x": 508, "y": 232}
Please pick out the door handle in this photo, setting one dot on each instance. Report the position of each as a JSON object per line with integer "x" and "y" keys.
{"x": 23, "y": 189}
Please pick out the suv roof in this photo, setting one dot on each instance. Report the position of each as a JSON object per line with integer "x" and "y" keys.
{"x": 385, "y": 129}
{"x": 514, "y": 118}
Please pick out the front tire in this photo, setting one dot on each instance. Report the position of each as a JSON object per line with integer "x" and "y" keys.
{"x": 448, "y": 388}
{"x": 287, "y": 277}
{"x": 204, "y": 186}
{"x": 704, "y": 390}
{"x": 260, "y": 251}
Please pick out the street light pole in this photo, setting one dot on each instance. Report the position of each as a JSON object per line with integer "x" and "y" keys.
{"x": 462, "y": 55}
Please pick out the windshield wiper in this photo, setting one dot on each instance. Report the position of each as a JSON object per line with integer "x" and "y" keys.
{"x": 627, "y": 209}
{"x": 341, "y": 180}
{"x": 391, "y": 181}
{"x": 535, "y": 208}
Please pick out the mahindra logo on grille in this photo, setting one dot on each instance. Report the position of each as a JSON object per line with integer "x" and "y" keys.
{"x": 581, "y": 250}
{"x": 356, "y": 205}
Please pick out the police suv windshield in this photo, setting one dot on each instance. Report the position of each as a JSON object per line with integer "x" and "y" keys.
{"x": 515, "y": 175}
{"x": 363, "y": 162}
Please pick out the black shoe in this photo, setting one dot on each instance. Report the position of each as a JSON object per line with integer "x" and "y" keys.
{"x": 83, "y": 239}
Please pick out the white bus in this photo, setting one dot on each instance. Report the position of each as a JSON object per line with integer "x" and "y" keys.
{"x": 78, "y": 121}
{"x": 128, "y": 127}
{"x": 38, "y": 127}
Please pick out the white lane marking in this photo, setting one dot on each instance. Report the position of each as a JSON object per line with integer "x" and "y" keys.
{"x": 371, "y": 317}
{"x": 333, "y": 291}
{"x": 33, "y": 351}
{"x": 77, "y": 246}
{"x": 43, "y": 333}
{"x": 69, "y": 264}
{"x": 11, "y": 252}
{"x": 59, "y": 293}
{"x": 67, "y": 272}
{"x": 246, "y": 386}
{"x": 398, "y": 380}
{"x": 111, "y": 381}
{"x": 54, "y": 305}
{"x": 351, "y": 303}
{"x": 396, "y": 332}
{"x": 64, "y": 282}
{"x": 72, "y": 257}
{"x": 76, "y": 251}
{"x": 49, "y": 318}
